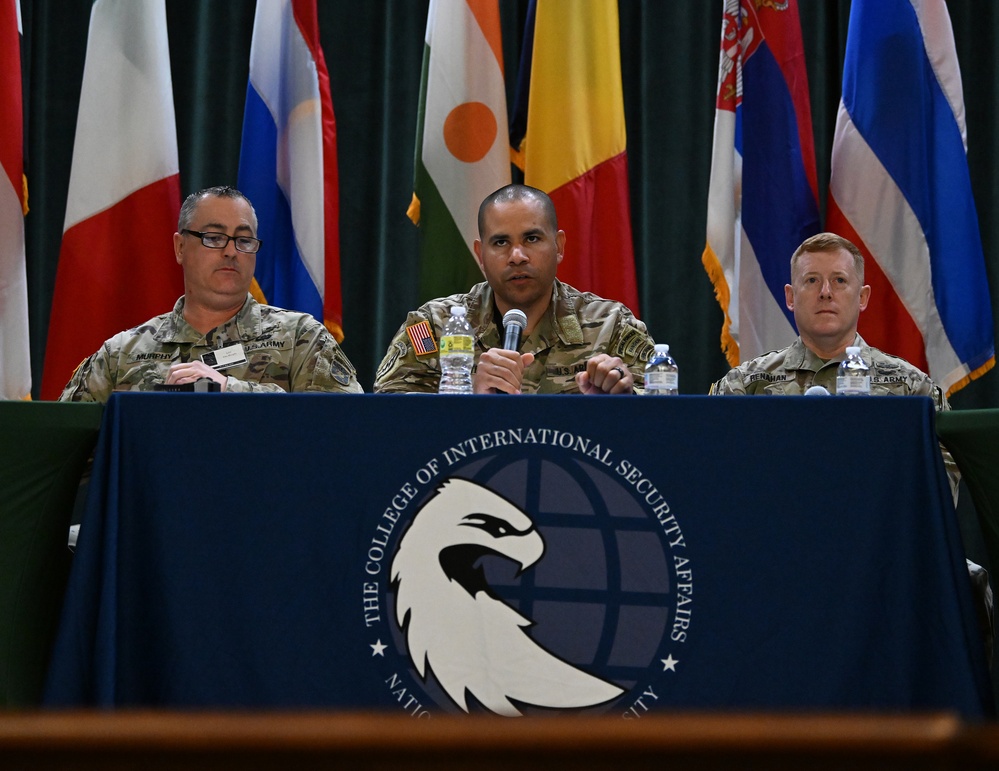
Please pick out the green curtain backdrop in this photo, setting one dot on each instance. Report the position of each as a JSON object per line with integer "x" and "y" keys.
{"x": 373, "y": 50}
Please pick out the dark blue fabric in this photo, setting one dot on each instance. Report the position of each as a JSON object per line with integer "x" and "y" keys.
{"x": 773, "y": 171}
{"x": 222, "y": 557}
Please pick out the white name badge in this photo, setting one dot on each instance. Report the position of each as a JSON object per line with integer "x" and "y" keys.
{"x": 223, "y": 358}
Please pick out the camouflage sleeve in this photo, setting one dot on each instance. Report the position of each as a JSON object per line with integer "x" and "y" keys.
{"x": 732, "y": 383}
{"x": 921, "y": 385}
{"x": 953, "y": 472}
{"x": 93, "y": 380}
{"x": 401, "y": 370}
{"x": 326, "y": 367}
{"x": 318, "y": 365}
{"x": 235, "y": 386}
{"x": 633, "y": 345}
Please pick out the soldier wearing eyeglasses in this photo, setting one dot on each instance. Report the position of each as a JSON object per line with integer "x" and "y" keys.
{"x": 217, "y": 331}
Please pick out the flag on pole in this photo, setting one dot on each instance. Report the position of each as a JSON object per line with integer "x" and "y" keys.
{"x": 462, "y": 146}
{"x": 15, "y": 356}
{"x": 116, "y": 266}
{"x": 288, "y": 163}
{"x": 763, "y": 194}
{"x": 575, "y": 144}
{"x": 900, "y": 190}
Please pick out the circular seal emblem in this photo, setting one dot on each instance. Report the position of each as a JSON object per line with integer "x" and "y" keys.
{"x": 527, "y": 571}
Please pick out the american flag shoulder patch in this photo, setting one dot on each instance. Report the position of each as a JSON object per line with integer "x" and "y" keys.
{"x": 422, "y": 338}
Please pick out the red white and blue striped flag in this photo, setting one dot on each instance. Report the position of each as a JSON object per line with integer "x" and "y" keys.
{"x": 900, "y": 190}
{"x": 288, "y": 163}
{"x": 763, "y": 196}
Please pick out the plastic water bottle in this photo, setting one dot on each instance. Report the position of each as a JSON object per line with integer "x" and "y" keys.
{"x": 662, "y": 376}
{"x": 457, "y": 354}
{"x": 854, "y": 376}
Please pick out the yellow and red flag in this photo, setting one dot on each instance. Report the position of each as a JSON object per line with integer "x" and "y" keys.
{"x": 574, "y": 145}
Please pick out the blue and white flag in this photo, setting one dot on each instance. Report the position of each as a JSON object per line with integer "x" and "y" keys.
{"x": 901, "y": 191}
{"x": 288, "y": 164}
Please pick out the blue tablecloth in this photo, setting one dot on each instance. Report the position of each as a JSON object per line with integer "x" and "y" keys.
{"x": 519, "y": 555}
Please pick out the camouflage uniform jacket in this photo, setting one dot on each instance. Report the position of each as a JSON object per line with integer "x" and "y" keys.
{"x": 285, "y": 351}
{"x": 576, "y": 326}
{"x": 795, "y": 369}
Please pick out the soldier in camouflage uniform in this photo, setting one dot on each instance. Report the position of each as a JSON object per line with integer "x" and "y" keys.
{"x": 217, "y": 330}
{"x": 575, "y": 342}
{"x": 285, "y": 351}
{"x": 827, "y": 294}
{"x": 575, "y": 326}
{"x": 795, "y": 369}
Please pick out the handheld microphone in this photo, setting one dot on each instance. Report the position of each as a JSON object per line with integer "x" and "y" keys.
{"x": 817, "y": 390}
{"x": 514, "y": 323}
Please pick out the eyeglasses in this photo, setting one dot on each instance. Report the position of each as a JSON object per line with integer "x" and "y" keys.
{"x": 221, "y": 241}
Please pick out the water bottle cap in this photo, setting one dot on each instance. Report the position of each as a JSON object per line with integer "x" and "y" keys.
{"x": 457, "y": 310}
{"x": 852, "y": 350}
{"x": 662, "y": 348}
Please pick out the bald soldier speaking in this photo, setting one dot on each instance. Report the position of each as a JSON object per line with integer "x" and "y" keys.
{"x": 574, "y": 342}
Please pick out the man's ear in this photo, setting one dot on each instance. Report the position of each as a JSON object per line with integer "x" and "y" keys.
{"x": 865, "y": 296}
{"x": 477, "y": 248}
{"x": 789, "y": 297}
{"x": 178, "y": 241}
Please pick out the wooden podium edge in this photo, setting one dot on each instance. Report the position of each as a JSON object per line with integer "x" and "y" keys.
{"x": 279, "y": 740}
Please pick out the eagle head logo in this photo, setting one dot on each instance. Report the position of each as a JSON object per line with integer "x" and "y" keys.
{"x": 457, "y": 627}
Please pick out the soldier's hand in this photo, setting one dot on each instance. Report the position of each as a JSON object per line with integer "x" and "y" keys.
{"x": 189, "y": 371}
{"x": 500, "y": 371}
{"x": 605, "y": 375}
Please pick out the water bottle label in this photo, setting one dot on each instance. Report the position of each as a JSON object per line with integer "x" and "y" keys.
{"x": 657, "y": 380}
{"x": 853, "y": 384}
{"x": 456, "y": 344}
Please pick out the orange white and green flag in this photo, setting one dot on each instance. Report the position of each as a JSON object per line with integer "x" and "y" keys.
{"x": 462, "y": 145}
{"x": 575, "y": 145}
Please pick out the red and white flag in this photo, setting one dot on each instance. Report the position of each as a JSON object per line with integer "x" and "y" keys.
{"x": 15, "y": 357}
{"x": 116, "y": 265}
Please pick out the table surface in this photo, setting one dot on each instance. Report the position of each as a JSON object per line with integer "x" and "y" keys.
{"x": 601, "y": 555}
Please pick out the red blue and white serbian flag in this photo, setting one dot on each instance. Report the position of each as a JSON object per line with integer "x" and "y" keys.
{"x": 288, "y": 163}
{"x": 900, "y": 190}
{"x": 763, "y": 195}
{"x": 116, "y": 264}
{"x": 15, "y": 359}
